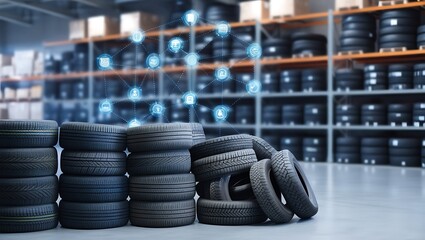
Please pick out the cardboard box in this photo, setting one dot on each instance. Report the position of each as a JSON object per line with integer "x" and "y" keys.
{"x": 9, "y": 94}
{"x": 23, "y": 61}
{"x": 282, "y": 8}
{"x": 100, "y": 26}
{"x": 254, "y": 10}
{"x": 22, "y": 93}
{"x": 346, "y": 4}
{"x": 130, "y": 22}
{"x": 36, "y": 111}
{"x": 39, "y": 64}
{"x": 19, "y": 110}
{"x": 77, "y": 29}
{"x": 36, "y": 92}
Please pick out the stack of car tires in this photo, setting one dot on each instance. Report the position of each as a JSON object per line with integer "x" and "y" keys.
{"x": 374, "y": 151}
{"x": 347, "y": 114}
{"x": 313, "y": 80}
{"x": 398, "y": 29}
{"x": 400, "y": 76}
{"x": 93, "y": 186}
{"x": 358, "y": 33}
{"x": 419, "y": 76}
{"x": 314, "y": 149}
{"x": 162, "y": 189}
{"x": 419, "y": 114}
{"x": 347, "y": 150}
{"x": 375, "y": 77}
{"x": 28, "y": 182}
{"x": 405, "y": 152}
{"x": 374, "y": 114}
{"x": 290, "y": 81}
{"x": 308, "y": 43}
{"x": 347, "y": 79}
{"x": 292, "y": 114}
{"x": 314, "y": 114}
{"x": 399, "y": 114}
{"x": 277, "y": 47}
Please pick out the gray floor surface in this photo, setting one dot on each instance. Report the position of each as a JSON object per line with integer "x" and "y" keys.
{"x": 355, "y": 202}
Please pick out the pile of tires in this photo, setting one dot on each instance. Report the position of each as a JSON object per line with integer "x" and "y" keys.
{"x": 399, "y": 114}
{"x": 405, "y": 152}
{"x": 313, "y": 80}
{"x": 358, "y": 33}
{"x": 419, "y": 114}
{"x": 293, "y": 144}
{"x": 271, "y": 114}
{"x": 277, "y": 47}
{"x": 308, "y": 43}
{"x": 347, "y": 150}
{"x": 315, "y": 114}
{"x": 347, "y": 79}
{"x": 398, "y": 28}
{"x": 374, "y": 114}
{"x": 375, "y": 77}
{"x": 237, "y": 189}
{"x": 347, "y": 114}
{"x": 290, "y": 81}
{"x": 292, "y": 114}
{"x": 400, "y": 76}
{"x": 269, "y": 82}
{"x": 374, "y": 151}
{"x": 93, "y": 186}
{"x": 419, "y": 76}
{"x": 28, "y": 182}
{"x": 161, "y": 188}
{"x": 314, "y": 149}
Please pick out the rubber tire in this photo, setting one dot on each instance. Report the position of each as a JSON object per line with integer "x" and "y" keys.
{"x": 267, "y": 197}
{"x": 404, "y": 143}
{"x": 28, "y": 134}
{"x": 384, "y": 23}
{"x": 159, "y": 163}
{"x": 235, "y": 187}
{"x": 197, "y": 133}
{"x": 92, "y": 137}
{"x": 162, "y": 214}
{"x": 28, "y": 162}
{"x": 230, "y": 212}
{"x": 93, "y": 215}
{"x": 308, "y": 36}
{"x": 401, "y": 13}
{"x": 397, "y": 30}
{"x": 162, "y": 188}
{"x": 213, "y": 167}
{"x": 410, "y": 161}
{"x": 28, "y": 218}
{"x": 159, "y": 137}
{"x": 93, "y": 163}
{"x": 28, "y": 191}
{"x": 294, "y": 184}
{"x": 93, "y": 189}
{"x": 398, "y": 38}
{"x": 263, "y": 150}
{"x": 221, "y": 145}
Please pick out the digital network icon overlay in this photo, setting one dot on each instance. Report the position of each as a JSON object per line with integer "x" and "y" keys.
{"x": 153, "y": 61}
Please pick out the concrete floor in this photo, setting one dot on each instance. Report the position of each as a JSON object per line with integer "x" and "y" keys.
{"x": 355, "y": 202}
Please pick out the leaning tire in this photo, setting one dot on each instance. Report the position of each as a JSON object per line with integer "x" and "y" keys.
{"x": 162, "y": 214}
{"x": 229, "y": 212}
{"x": 164, "y": 188}
{"x": 291, "y": 180}
{"x": 28, "y": 134}
{"x": 28, "y": 218}
{"x": 220, "y": 165}
{"x": 28, "y": 191}
{"x": 262, "y": 149}
{"x": 28, "y": 162}
{"x": 93, "y": 215}
{"x": 265, "y": 194}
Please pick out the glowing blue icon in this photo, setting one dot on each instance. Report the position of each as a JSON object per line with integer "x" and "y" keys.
{"x": 105, "y": 106}
{"x": 254, "y": 51}
{"x": 190, "y": 18}
{"x": 222, "y": 74}
{"x": 134, "y": 123}
{"x": 221, "y": 113}
{"x": 175, "y": 45}
{"x": 104, "y": 62}
{"x": 157, "y": 109}
{"x": 253, "y": 87}
{"x": 222, "y": 29}
{"x": 135, "y": 94}
{"x": 192, "y": 59}
{"x": 189, "y": 99}
{"x": 137, "y": 36}
{"x": 153, "y": 61}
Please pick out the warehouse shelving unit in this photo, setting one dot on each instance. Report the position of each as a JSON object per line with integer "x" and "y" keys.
{"x": 330, "y": 61}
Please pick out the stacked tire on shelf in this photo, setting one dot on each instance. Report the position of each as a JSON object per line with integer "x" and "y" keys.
{"x": 398, "y": 28}
{"x": 375, "y": 77}
{"x": 358, "y": 33}
{"x": 290, "y": 81}
{"x": 162, "y": 189}
{"x": 399, "y": 114}
{"x": 405, "y": 152}
{"x": 347, "y": 150}
{"x": 374, "y": 114}
{"x": 277, "y": 47}
{"x": 348, "y": 79}
{"x": 28, "y": 182}
{"x": 313, "y": 80}
{"x": 419, "y": 114}
{"x": 374, "y": 151}
{"x": 314, "y": 149}
{"x": 347, "y": 114}
{"x": 314, "y": 114}
{"x": 237, "y": 189}
{"x": 304, "y": 43}
{"x": 400, "y": 76}
{"x": 93, "y": 186}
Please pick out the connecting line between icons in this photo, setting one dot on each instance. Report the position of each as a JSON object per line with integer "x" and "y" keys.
{"x": 122, "y": 49}
{"x": 122, "y": 79}
{"x": 119, "y": 117}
